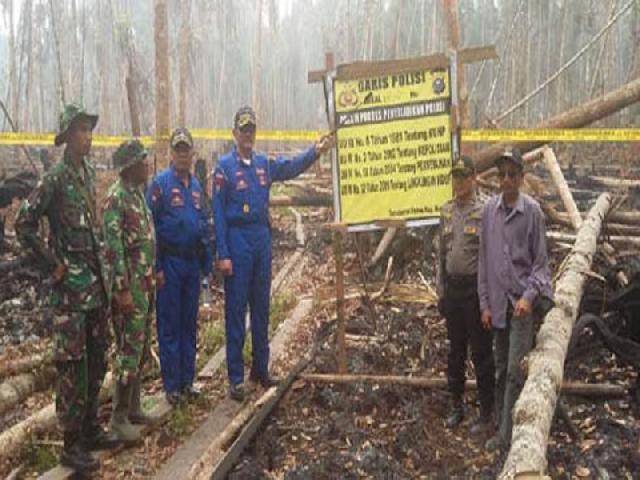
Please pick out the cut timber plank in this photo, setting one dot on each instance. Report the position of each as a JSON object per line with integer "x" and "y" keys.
{"x": 192, "y": 451}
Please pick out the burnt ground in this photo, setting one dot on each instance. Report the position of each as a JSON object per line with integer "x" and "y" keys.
{"x": 354, "y": 431}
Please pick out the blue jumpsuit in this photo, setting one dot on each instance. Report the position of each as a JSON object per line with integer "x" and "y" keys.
{"x": 243, "y": 234}
{"x": 184, "y": 252}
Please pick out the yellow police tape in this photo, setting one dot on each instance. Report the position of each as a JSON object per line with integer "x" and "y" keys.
{"x": 468, "y": 135}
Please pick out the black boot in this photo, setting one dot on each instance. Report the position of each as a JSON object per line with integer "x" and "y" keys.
{"x": 76, "y": 456}
{"x": 266, "y": 381}
{"x": 94, "y": 437}
{"x": 485, "y": 423}
{"x": 456, "y": 412}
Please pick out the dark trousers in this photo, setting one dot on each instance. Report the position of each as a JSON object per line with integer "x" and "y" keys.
{"x": 464, "y": 327}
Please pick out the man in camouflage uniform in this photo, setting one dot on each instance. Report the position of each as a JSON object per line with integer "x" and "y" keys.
{"x": 66, "y": 197}
{"x": 130, "y": 247}
{"x": 460, "y": 221}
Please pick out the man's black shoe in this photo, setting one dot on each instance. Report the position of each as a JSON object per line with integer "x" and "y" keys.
{"x": 267, "y": 381}
{"x": 483, "y": 425}
{"x": 456, "y": 413}
{"x": 236, "y": 392}
{"x": 191, "y": 392}
{"x": 174, "y": 398}
{"x": 79, "y": 459}
{"x": 99, "y": 439}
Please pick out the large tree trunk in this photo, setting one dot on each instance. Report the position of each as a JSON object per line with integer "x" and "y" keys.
{"x": 162, "y": 82}
{"x": 534, "y": 410}
{"x": 577, "y": 117}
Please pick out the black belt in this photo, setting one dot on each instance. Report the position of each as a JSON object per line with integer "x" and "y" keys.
{"x": 461, "y": 281}
{"x": 169, "y": 250}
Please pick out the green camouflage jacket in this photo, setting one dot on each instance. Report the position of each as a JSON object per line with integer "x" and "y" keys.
{"x": 66, "y": 197}
{"x": 129, "y": 240}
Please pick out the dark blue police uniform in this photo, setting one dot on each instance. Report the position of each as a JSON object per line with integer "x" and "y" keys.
{"x": 184, "y": 253}
{"x": 243, "y": 234}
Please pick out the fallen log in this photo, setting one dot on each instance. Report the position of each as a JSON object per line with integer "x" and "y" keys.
{"x": 622, "y": 229}
{"x": 579, "y": 116}
{"x": 613, "y": 239}
{"x": 16, "y": 389}
{"x": 534, "y": 410}
{"x": 10, "y": 367}
{"x": 12, "y": 439}
{"x": 600, "y": 390}
{"x": 301, "y": 201}
{"x": 628, "y": 218}
{"x": 615, "y": 183}
{"x": 551, "y": 162}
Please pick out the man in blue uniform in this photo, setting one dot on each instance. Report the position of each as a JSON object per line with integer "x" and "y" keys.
{"x": 184, "y": 253}
{"x": 241, "y": 186}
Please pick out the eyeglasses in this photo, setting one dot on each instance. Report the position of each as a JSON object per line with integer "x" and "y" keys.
{"x": 508, "y": 173}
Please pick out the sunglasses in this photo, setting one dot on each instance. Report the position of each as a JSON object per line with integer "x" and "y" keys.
{"x": 509, "y": 173}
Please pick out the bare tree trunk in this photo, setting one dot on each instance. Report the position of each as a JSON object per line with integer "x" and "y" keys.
{"x": 184, "y": 47}
{"x": 533, "y": 412}
{"x": 132, "y": 98}
{"x": 28, "y": 6}
{"x": 257, "y": 61}
{"x": 162, "y": 82}
{"x": 57, "y": 49}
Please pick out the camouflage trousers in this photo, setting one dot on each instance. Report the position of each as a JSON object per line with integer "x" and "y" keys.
{"x": 81, "y": 362}
{"x": 133, "y": 336}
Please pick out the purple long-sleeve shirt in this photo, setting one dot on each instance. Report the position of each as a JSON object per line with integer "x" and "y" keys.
{"x": 513, "y": 256}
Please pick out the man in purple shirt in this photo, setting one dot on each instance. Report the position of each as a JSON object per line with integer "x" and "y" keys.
{"x": 513, "y": 277}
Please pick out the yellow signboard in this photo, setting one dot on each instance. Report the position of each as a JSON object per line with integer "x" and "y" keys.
{"x": 394, "y": 146}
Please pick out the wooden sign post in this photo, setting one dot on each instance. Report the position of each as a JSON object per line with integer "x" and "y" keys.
{"x": 397, "y": 131}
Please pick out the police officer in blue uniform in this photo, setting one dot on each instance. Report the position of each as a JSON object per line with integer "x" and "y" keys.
{"x": 241, "y": 184}
{"x": 175, "y": 198}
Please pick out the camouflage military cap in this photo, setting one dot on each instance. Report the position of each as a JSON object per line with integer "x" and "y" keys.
{"x": 128, "y": 154}
{"x": 71, "y": 112}
{"x": 244, "y": 118}
{"x": 181, "y": 135}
